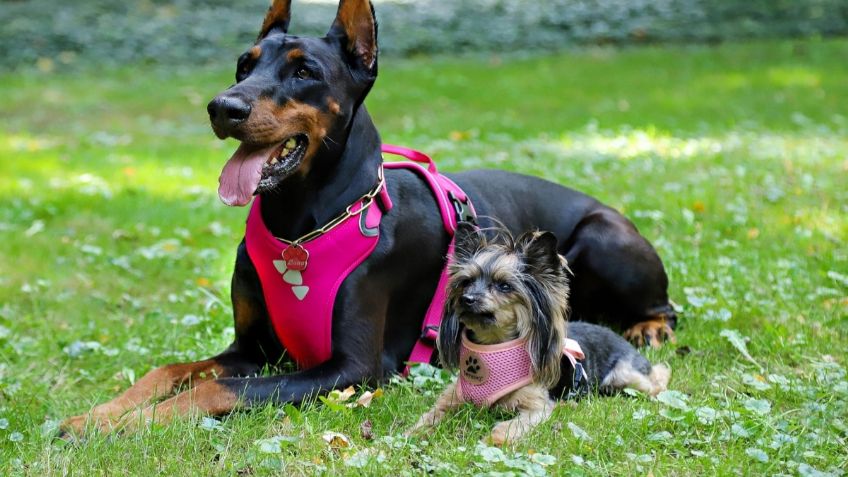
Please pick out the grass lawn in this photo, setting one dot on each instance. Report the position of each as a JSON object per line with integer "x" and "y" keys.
{"x": 732, "y": 160}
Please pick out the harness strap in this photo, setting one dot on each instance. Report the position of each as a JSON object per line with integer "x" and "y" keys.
{"x": 423, "y": 350}
{"x": 572, "y": 350}
{"x": 454, "y": 207}
{"x": 412, "y": 155}
{"x": 452, "y": 200}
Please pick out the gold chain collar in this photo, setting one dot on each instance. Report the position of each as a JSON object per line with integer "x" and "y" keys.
{"x": 366, "y": 200}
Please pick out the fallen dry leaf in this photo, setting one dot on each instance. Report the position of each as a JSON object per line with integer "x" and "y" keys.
{"x": 364, "y": 400}
{"x": 368, "y": 396}
{"x": 341, "y": 396}
{"x": 365, "y": 430}
{"x": 459, "y": 135}
{"x": 336, "y": 440}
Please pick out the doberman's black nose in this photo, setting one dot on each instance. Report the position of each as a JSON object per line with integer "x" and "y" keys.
{"x": 469, "y": 299}
{"x": 227, "y": 111}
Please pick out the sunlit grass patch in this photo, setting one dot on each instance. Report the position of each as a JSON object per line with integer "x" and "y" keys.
{"x": 794, "y": 77}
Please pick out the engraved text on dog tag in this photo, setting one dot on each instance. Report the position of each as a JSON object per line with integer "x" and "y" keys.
{"x": 296, "y": 257}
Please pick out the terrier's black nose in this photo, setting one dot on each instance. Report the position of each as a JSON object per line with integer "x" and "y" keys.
{"x": 227, "y": 111}
{"x": 468, "y": 299}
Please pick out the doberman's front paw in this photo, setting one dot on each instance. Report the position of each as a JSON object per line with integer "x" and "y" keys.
{"x": 136, "y": 420}
{"x": 651, "y": 332}
{"x": 75, "y": 427}
{"x": 72, "y": 427}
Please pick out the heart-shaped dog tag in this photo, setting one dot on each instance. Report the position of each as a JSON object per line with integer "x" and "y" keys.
{"x": 296, "y": 257}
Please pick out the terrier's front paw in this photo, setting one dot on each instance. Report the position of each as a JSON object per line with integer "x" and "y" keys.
{"x": 504, "y": 433}
{"x": 420, "y": 428}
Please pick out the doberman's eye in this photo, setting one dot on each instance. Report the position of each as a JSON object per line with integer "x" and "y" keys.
{"x": 242, "y": 70}
{"x": 504, "y": 287}
{"x": 303, "y": 73}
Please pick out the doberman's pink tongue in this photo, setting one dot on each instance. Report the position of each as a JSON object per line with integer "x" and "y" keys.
{"x": 242, "y": 173}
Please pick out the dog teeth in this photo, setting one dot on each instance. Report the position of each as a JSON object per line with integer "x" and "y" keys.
{"x": 288, "y": 147}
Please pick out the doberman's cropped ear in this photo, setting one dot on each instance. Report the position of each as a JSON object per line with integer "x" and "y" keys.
{"x": 468, "y": 241}
{"x": 355, "y": 27}
{"x": 277, "y": 18}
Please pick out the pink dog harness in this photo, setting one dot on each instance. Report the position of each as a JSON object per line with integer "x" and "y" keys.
{"x": 300, "y": 280}
{"x": 490, "y": 372}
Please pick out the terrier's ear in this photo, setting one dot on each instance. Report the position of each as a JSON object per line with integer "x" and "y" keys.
{"x": 467, "y": 241}
{"x": 449, "y": 337}
{"x": 540, "y": 250}
{"x": 355, "y": 27}
{"x": 546, "y": 333}
{"x": 277, "y": 19}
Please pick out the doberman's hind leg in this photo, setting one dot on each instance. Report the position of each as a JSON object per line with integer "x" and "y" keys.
{"x": 619, "y": 279}
{"x": 653, "y": 331}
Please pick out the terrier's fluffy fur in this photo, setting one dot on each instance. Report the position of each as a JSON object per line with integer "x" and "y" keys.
{"x": 507, "y": 289}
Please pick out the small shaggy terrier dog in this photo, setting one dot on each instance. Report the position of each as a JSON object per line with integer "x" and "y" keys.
{"x": 505, "y": 328}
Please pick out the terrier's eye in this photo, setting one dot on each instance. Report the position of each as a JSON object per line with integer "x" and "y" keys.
{"x": 504, "y": 287}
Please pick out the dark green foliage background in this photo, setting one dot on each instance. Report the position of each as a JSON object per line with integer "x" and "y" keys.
{"x": 201, "y": 31}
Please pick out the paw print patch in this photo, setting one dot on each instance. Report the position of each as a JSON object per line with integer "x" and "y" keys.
{"x": 472, "y": 366}
{"x": 474, "y": 369}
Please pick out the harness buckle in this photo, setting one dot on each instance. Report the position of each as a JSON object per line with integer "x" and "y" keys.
{"x": 462, "y": 209}
{"x": 579, "y": 374}
{"x": 429, "y": 333}
{"x": 579, "y": 382}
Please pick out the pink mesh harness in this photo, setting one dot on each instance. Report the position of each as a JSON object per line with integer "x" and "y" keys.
{"x": 490, "y": 372}
{"x": 300, "y": 301}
